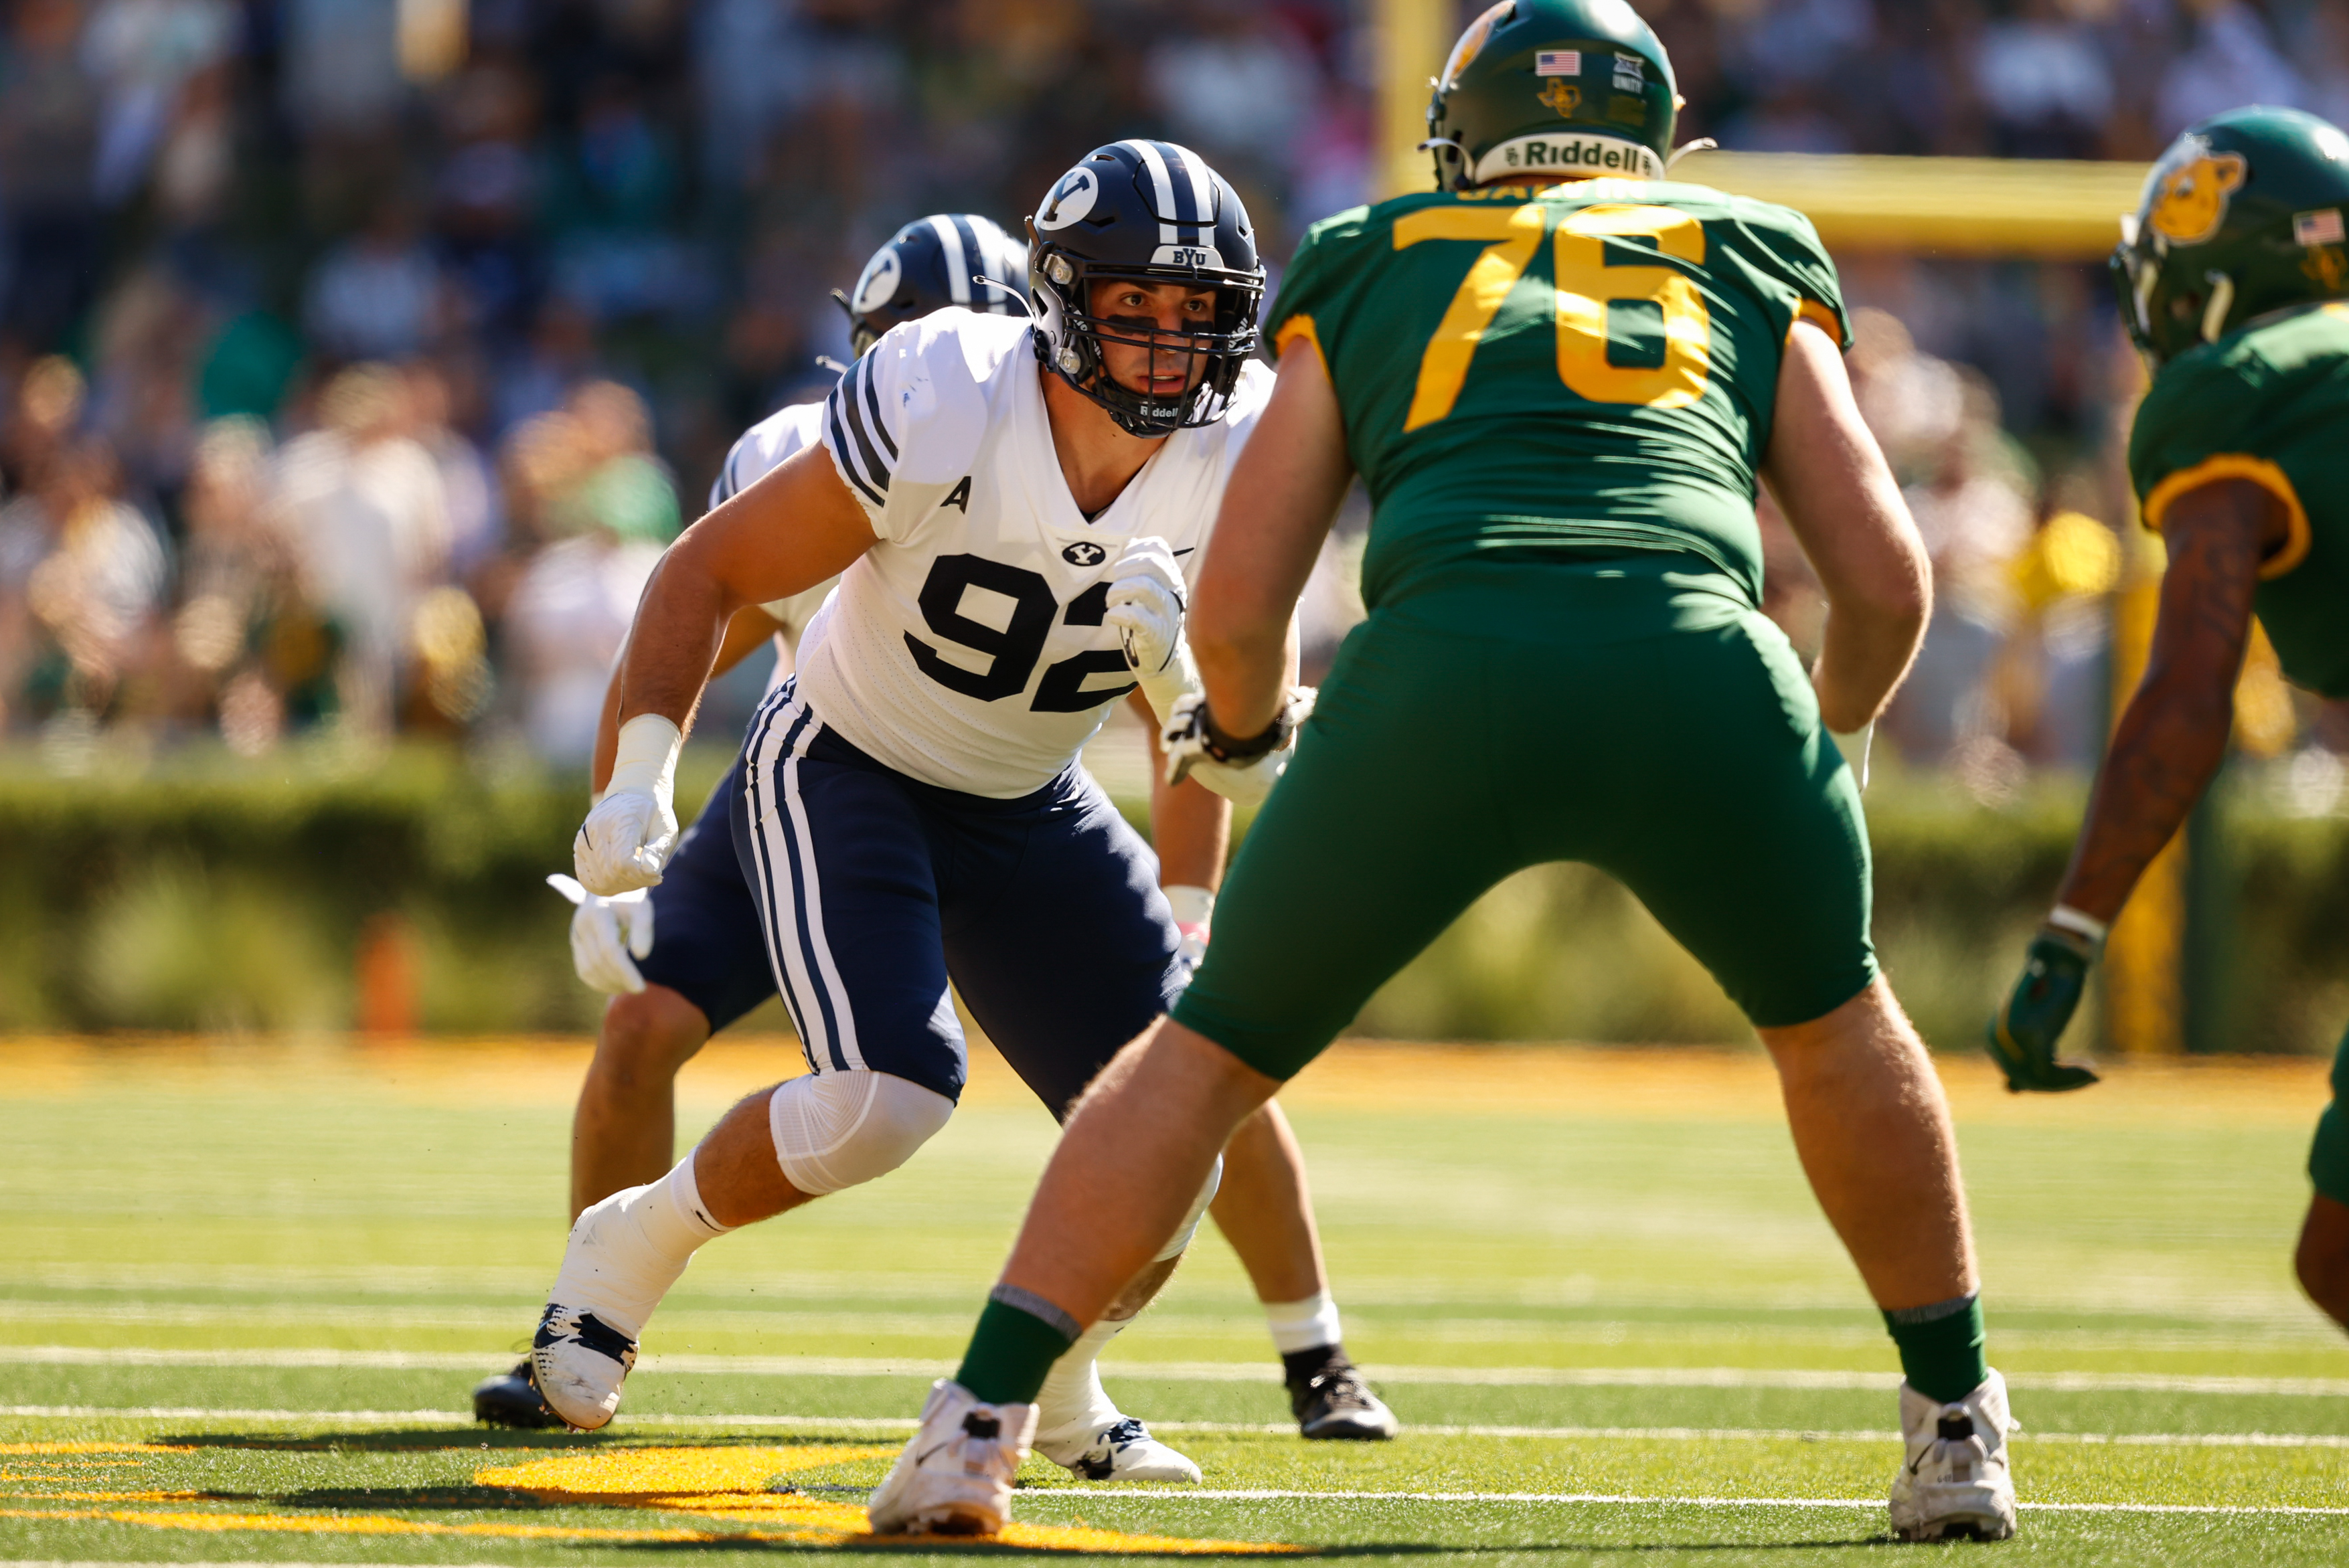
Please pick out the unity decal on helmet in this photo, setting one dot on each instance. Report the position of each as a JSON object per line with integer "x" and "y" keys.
{"x": 2192, "y": 202}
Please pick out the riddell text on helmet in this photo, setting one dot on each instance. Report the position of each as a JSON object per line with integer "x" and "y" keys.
{"x": 1521, "y": 154}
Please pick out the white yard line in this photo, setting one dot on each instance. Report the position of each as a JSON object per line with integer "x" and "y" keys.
{"x": 890, "y": 1425}
{"x": 1255, "y": 1495}
{"x": 954, "y": 1324}
{"x": 1176, "y": 1371}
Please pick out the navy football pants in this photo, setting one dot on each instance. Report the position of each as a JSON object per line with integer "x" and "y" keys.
{"x": 871, "y": 891}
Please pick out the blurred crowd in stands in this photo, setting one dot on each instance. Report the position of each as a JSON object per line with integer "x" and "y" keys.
{"x": 358, "y": 357}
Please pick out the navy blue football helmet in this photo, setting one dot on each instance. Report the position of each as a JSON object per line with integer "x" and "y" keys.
{"x": 947, "y": 258}
{"x": 1154, "y": 212}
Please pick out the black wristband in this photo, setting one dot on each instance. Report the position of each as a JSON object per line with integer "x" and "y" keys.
{"x": 1224, "y": 747}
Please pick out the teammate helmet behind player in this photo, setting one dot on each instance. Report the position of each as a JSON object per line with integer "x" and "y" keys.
{"x": 2241, "y": 216}
{"x": 1154, "y": 212}
{"x": 933, "y": 262}
{"x": 1553, "y": 87}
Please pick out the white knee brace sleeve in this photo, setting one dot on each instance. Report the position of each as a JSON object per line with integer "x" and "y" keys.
{"x": 1174, "y": 1249}
{"x": 835, "y": 1131}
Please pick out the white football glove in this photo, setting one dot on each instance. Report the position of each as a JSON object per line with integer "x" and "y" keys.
{"x": 627, "y": 836}
{"x": 1146, "y": 602}
{"x": 1243, "y": 782}
{"x": 604, "y": 933}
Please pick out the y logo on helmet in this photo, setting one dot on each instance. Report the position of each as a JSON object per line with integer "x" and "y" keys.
{"x": 1072, "y": 197}
{"x": 878, "y": 286}
{"x": 2190, "y": 202}
{"x": 1562, "y": 96}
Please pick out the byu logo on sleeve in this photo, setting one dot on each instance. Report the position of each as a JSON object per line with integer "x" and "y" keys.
{"x": 1072, "y": 197}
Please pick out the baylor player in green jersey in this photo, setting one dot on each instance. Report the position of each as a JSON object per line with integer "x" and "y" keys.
{"x": 1561, "y": 377}
{"x": 1558, "y": 372}
{"x": 2234, "y": 281}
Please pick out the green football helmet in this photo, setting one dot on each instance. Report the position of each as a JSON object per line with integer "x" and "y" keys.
{"x": 2242, "y": 216}
{"x": 1553, "y": 87}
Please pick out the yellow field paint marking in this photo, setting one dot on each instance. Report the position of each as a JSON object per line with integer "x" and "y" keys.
{"x": 362, "y": 1524}
{"x": 113, "y": 1496}
{"x": 1704, "y": 1083}
{"x": 715, "y": 1483}
{"x": 731, "y": 1484}
{"x": 1679, "y": 1084}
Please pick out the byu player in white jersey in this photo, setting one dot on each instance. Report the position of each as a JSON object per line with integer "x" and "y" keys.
{"x": 1013, "y": 541}
{"x": 709, "y": 964}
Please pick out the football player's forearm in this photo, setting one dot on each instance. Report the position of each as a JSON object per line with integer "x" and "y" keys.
{"x": 2164, "y": 755}
{"x": 1863, "y": 656}
{"x": 679, "y": 627}
{"x": 1245, "y": 674}
{"x": 607, "y": 729}
{"x": 1284, "y": 491}
{"x": 746, "y": 633}
{"x": 749, "y": 627}
{"x": 1190, "y": 827}
{"x": 2173, "y": 736}
{"x": 1190, "y": 824}
{"x": 1845, "y": 509}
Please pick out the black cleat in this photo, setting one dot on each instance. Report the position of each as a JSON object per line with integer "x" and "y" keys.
{"x": 511, "y": 1399}
{"x": 1332, "y": 1402}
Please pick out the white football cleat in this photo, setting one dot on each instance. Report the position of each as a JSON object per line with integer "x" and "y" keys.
{"x": 1954, "y": 1481}
{"x": 577, "y": 1363}
{"x": 955, "y": 1477}
{"x": 1122, "y": 1450}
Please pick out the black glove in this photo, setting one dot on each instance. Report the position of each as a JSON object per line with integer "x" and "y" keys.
{"x": 2023, "y": 1036}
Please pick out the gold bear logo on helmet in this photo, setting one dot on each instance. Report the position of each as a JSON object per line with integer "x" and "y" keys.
{"x": 1472, "y": 42}
{"x": 2190, "y": 200}
{"x": 1563, "y": 97}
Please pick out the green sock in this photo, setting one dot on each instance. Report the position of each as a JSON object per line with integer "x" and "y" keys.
{"x": 1941, "y": 1347}
{"x": 1018, "y": 1337}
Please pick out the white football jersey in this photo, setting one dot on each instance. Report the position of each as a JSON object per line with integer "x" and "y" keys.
{"x": 968, "y": 648}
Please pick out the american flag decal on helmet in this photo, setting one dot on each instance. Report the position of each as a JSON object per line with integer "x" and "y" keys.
{"x": 1558, "y": 62}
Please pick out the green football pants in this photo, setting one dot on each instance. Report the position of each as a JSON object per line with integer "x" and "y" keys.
{"x": 1643, "y": 720}
{"x": 2328, "y": 1162}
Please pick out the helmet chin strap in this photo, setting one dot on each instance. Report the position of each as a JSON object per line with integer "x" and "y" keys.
{"x": 1434, "y": 144}
{"x": 1702, "y": 144}
{"x": 2214, "y": 309}
{"x": 1014, "y": 295}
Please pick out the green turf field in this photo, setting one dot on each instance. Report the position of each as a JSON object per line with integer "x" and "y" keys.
{"x": 245, "y": 1289}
